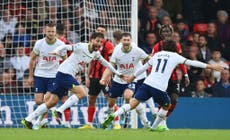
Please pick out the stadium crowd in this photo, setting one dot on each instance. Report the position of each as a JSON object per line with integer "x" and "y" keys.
{"x": 201, "y": 27}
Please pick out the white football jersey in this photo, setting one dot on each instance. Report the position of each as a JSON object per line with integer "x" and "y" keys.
{"x": 79, "y": 57}
{"x": 128, "y": 63}
{"x": 163, "y": 64}
{"x": 47, "y": 64}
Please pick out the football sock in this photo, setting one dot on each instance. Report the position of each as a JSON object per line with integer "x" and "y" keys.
{"x": 39, "y": 111}
{"x": 160, "y": 116}
{"x": 91, "y": 110}
{"x": 116, "y": 119}
{"x": 67, "y": 114}
{"x": 68, "y": 103}
{"x": 141, "y": 113}
{"x": 122, "y": 110}
{"x": 150, "y": 103}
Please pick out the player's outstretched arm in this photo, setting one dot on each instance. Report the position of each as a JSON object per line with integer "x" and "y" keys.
{"x": 61, "y": 48}
{"x": 199, "y": 64}
{"x": 215, "y": 67}
{"x": 142, "y": 69}
{"x": 109, "y": 66}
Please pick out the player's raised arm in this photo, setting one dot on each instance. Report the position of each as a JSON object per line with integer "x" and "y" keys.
{"x": 60, "y": 49}
{"x": 108, "y": 65}
{"x": 199, "y": 64}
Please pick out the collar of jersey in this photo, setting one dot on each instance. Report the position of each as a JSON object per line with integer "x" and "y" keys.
{"x": 52, "y": 42}
{"x": 130, "y": 48}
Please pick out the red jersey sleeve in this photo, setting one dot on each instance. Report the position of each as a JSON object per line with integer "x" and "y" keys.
{"x": 155, "y": 48}
{"x": 109, "y": 48}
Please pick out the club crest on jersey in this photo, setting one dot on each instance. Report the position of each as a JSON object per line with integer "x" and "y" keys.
{"x": 49, "y": 58}
{"x": 127, "y": 66}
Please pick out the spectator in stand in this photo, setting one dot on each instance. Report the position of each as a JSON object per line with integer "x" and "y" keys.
{"x": 71, "y": 35}
{"x": 181, "y": 86}
{"x": 222, "y": 88}
{"x": 150, "y": 41}
{"x": 52, "y": 16}
{"x": 200, "y": 90}
{"x": 9, "y": 46}
{"x": 42, "y": 10}
{"x": 4, "y": 61}
{"x": 217, "y": 59}
{"x": 153, "y": 24}
{"x": 31, "y": 23}
{"x": 213, "y": 41}
{"x": 65, "y": 10}
{"x": 166, "y": 20}
{"x": 90, "y": 11}
{"x": 7, "y": 83}
{"x": 193, "y": 72}
{"x": 182, "y": 29}
{"x": 161, "y": 12}
{"x": 142, "y": 13}
{"x": 20, "y": 61}
{"x": 223, "y": 30}
{"x": 23, "y": 85}
{"x": 17, "y": 9}
{"x": 204, "y": 53}
{"x": 102, "y": 18}
{"x": 141, "y": 32}
{"x": 209, "y": 80}
{"x": 176, "y": 37}
{"x": 21, "y": 36}
{"x": 7, "y": 24}
{"x": 195, "y": 37}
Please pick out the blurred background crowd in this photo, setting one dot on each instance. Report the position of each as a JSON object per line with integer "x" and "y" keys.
{"x": 202, "y": 28}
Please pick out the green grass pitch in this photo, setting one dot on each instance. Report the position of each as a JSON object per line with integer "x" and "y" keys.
{"x": 124, "y": 134}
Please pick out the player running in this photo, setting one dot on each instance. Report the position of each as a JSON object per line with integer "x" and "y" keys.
{"x": 127, "y": 59}
{"x": 156, "y": 83}
{"x": 65, "y": 78}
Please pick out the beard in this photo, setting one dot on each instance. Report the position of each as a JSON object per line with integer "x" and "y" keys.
{"x": 50, "y": 38}
{"x": 95, "y": 47}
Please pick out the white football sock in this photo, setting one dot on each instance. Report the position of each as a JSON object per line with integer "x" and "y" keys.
{"x": 151, "y": 104}
{"x": 123, "y": 109}
{"x": 39, "y": 111}
{"x": 141, "y": 113}
{"x": 68, "y": 103}
{"x": 160, "y": 116}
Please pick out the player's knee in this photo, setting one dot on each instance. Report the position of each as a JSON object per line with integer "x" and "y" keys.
{"x": 174, "y": 98}
{"x": 128, "y": 95}
{"x": 166, "y": 107}
{"x": 51, "y": 104}
{"x": 39, "y": 101}
{"x": 81, "y": 95}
